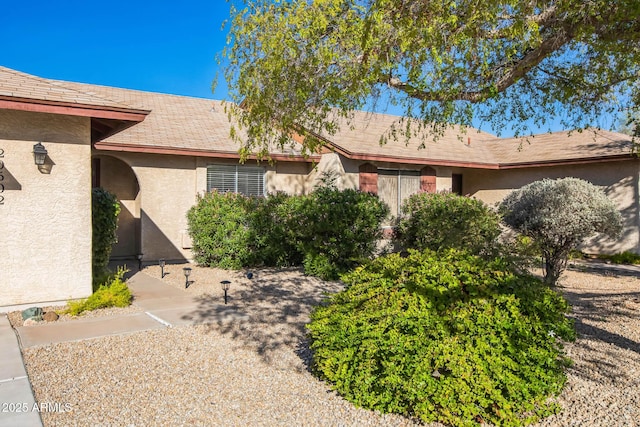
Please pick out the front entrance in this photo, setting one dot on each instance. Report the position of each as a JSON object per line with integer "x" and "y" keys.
{"x": 117, "y": 177}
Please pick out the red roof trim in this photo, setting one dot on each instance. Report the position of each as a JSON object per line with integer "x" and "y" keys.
{"x": 70, "y": 109}
{"x": 105, "y": 146}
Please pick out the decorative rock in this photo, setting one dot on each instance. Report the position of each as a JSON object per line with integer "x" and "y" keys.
{"x": 30, "y": 322}
{"x": 33, "y": 312}
{"x": 50, "y": 316}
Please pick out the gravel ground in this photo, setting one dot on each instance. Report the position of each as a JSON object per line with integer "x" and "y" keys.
{"x": 255, "y": 372}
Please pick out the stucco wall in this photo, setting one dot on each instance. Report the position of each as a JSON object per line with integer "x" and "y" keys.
{"x": 168, "y": 188}
{"x": 45, "y": 218}
{"x": 618, "y": 179}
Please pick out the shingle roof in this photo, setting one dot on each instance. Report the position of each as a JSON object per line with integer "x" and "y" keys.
{"x": 361, "y": 137}
{"x": 471, "y": 147}
{"x": 561, "y": 146}
{"x": 18, "y": 85}
{"x": 201, "y": 125}
{"x": 175, "y": 122}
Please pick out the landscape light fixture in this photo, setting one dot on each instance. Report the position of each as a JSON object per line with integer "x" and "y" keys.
{"x": 139, "y": 256}
{"x": 39, "y": 154}
{"x": 225, "y": 287}
{"x": 187, "y": 272}
{"x": 162, "y": 263}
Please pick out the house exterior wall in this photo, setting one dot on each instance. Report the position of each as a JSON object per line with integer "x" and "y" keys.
{"x": 618, "y": 179}
{"x": 45, "y": 218}
{"x": 167, "y": 188}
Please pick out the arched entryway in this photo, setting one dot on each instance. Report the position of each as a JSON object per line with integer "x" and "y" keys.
{"x": 117, "y": 177}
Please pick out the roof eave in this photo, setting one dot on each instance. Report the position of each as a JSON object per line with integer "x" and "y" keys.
{"x": 132, "y": 148}
{"x": 568, "y": 162}
{"x": 72, "y": 109}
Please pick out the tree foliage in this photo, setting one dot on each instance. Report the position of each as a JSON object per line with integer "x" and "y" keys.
{"x": 559, "y": 215}
{"x": 302, "y": 66}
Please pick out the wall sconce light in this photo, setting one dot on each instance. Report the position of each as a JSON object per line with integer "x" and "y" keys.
{"x": 39, "y": 154}
{"x": 187, "y": 272}
{"x": 162, "y": 264}
{"x": 225, "y": 287}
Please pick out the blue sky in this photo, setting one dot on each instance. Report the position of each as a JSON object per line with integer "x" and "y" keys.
{"x": 162, "y": 46}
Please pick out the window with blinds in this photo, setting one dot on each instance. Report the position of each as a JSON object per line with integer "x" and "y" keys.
{"x": 395, "y": 186}
{"x": 247, "y": 180}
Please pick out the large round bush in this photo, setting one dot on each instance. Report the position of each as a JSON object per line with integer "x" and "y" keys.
{"x": 444, "y": 337}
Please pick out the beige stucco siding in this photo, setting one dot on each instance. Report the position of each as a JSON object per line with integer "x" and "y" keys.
{"x": 618, "y": 179}
{"x": 167, "y": 188}
{"x": 45, "y": 218}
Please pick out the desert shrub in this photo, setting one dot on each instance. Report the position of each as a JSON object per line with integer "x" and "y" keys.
{"x": 328, "y": 231}
{"x": 273, "y": 228}
{"x": 336, "y": 230}
{"x": 113, "y": 293}
{"x": 446, "y": 337}
{"x": 446, "y": 220}
{"x": 625, "y": 257}
{"x": 219, "y": 230}
{"x": 559, "y": 215}
{"x": 105, "y": 209}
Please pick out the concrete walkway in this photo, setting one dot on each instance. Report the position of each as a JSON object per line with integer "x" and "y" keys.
{"x": 163, "y": 306}
{"x": 16, "y": 397}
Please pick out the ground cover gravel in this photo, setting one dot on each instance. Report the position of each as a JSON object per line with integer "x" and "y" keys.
{"x": 255, "y": 372}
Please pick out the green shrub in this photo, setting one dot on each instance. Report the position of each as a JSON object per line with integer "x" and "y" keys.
{"x": 559, "y": 215}
{"x": 336, "y": 230}
{"x": 328, "y": 231}
{"x": 625, "y": 257}
{"x": 220, "y": 230}
{"x": 113, "y": 293}
{"x": 439, "y": 221}
{"x": 105, "y": 209}
{"x": 273, "y": 230}
{"x": 446, "y": 337}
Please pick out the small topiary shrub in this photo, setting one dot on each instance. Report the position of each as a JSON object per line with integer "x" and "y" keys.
{"x": 219, "y": 226}
{"x": 113, "y": 293}
{"x": 446, "y": 337}
{"x": 105, "y": 209}
{"x": 446, "y": 220}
